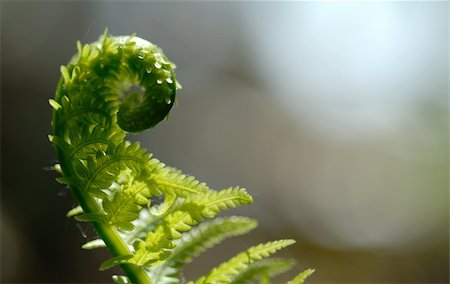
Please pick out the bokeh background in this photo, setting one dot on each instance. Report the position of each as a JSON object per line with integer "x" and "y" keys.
{"x": 334, "y": 115}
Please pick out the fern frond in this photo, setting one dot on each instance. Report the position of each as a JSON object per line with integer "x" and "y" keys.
{"x": 300, "y": 278}
{"x": 92, "y": 139}
{"x": 121, "y": 210}
{"x": 156, "y": 246}
{"x": 227, "y": 271}
{"x": 198, "y": 240}
{"x": 263, "y": 269}
{"x": 195, "y": 209}
{"x": 154, "y": 249}
{"x": 208, "y": 234}
{"x": 145, "y": 223}
{"x": 217, "y": 201}
{"x": 173, "y": 180}
{"x": 98, "y": 172}
{"x": 138, "y": 191}
{"x": 164, "y": 208}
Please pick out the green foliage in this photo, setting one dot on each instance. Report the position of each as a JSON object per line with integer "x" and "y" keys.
{"x": 300, "y": 278}
{"x": 263, "y": 270}
{"x": 114, "y": 181}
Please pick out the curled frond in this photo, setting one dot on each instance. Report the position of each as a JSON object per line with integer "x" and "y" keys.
{"x": 147, "y": 214}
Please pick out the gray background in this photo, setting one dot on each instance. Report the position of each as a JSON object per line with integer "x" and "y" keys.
{"x": 333, "y": 115}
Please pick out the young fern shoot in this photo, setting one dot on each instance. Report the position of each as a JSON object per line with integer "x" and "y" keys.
{"x": 113, "y": 180}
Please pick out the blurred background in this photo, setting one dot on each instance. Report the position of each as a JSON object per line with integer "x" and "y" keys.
{"x": 333, "y": 115}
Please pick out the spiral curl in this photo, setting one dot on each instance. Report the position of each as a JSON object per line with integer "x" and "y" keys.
{"x": 108, "y": 69}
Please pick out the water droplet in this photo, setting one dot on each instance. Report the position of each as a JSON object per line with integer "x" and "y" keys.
{"x": 159, "y": 81}
{"x": 158, "y": 65}
{"x": 149, "y": 70}
{"x": 169, "y": 80}
{"x": 141, "y": 56}
{"x": 168, "y": 101}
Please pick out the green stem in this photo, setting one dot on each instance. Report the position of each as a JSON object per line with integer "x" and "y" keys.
{"x": 108, "y": 233}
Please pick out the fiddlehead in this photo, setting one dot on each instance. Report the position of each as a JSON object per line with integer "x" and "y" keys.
{"x": 113, "y": 180}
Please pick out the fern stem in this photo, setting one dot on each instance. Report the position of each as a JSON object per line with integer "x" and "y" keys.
{"x": 113, "y": 241}
{"x": 108, "y": 233}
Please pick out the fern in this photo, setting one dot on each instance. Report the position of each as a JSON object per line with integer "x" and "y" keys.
{"x": 263, "y": 270}
{"x": 227, "y": 271}
{"x": 114, "y": 181}
{"x": 300, "y": 278}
